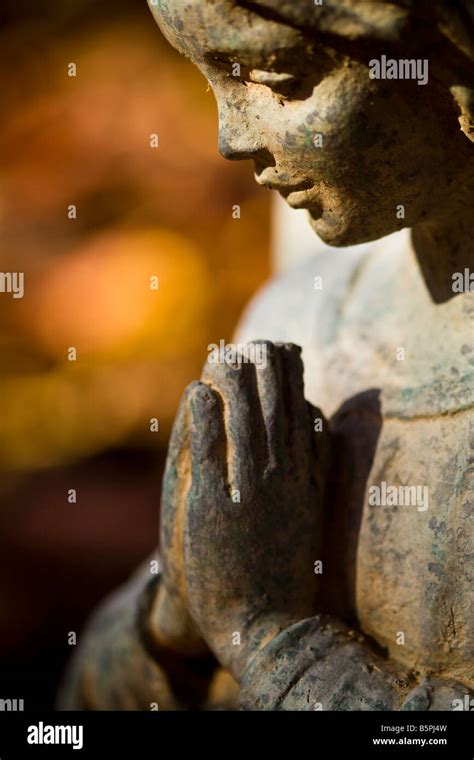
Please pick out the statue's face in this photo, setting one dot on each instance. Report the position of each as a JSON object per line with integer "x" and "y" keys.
{"x": 350, "y": 149}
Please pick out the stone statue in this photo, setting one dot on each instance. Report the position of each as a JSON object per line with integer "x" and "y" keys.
{"x": 320, "y": 557}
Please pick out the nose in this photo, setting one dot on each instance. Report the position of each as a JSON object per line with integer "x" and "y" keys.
{"x": 235, "y": 146}
{"x": 237, "y": 143}
{"x": 231, "y": 148}
{"x": 240, "y": 133}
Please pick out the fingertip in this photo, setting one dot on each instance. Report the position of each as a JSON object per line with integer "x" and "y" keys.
{"x": 206, "y": 417}
{"x": 208, "y": 438}
{"x": 264, "y": 352}
{"x": 202, "y": 398}
{"x": 292, "y": 365}
{"x": 291, "y": 348}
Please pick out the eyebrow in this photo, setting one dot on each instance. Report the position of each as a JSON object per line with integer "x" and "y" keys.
{"x": 279, "y": 60}
{"x": 249, "y": 36}
{"x": 374, "y": 19}
{"x": 249, "y": 58}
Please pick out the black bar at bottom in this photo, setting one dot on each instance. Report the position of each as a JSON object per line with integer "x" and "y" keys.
{"x": 156, "y": 734}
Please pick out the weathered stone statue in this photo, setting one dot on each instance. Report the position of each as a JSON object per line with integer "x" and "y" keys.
{"x": 324, "y": 559}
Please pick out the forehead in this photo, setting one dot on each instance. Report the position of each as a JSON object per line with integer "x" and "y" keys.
{"x": 200, "y": 27}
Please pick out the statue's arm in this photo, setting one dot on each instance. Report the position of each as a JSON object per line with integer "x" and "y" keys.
{"x": 120, "y": 665}
{"x": 320, "y": 664}
{"x": 114, "y": 668}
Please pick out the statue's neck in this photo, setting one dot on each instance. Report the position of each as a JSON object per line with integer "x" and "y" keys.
{"x": 445, "y": 246}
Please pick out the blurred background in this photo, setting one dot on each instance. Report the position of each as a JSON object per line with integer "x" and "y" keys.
{"x": 141, "y": 212}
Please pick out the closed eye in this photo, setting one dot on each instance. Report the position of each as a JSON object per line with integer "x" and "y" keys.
{"x": 281, "y": 83}
{"x": 269, "y": 78}
{"x": 245, "y": 73}
{"x": 288, "y": 86}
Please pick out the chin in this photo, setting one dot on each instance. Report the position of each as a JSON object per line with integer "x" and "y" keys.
{"x": 341, "y": 234}
{"x": 338, "y": 235}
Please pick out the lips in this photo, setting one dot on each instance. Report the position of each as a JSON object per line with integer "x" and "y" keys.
{"x": 285, "y": 189}
{"x": 298, "y": 195}
{"x": 299, "y": 199}
{"x": 303, "y": 199}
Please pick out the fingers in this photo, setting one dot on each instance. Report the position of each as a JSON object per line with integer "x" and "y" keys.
{"x": 296, "y": 410}
{"x": 170, "y": 623}
{"x": 196, "y": 462}
{"x": 176, "y": 483}
{"x": 284, "y": 409}
{"x": 236, "y": 384}
{"x": 265, "y": 412}
{"x": 208, "y": 441}
{"x": 269, "y": 384}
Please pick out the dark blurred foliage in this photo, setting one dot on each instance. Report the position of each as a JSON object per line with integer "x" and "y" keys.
{"x": 141, "y": 212}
